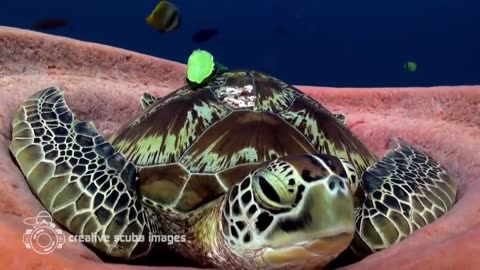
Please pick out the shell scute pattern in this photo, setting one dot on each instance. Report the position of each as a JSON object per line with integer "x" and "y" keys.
{"x": 326, "y": 135}
{"x": 202, "y": 132}
{"x": 169, "y": 129}
{"x": 265, "y": 94}
{"x": 160, "y": 102}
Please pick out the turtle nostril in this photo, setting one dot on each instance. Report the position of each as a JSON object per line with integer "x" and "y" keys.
{"x": 331, "y": 185}
{"x": 335, "y": 182}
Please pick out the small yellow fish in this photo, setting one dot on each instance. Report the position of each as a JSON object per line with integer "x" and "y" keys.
{"x": 164, "y": 17}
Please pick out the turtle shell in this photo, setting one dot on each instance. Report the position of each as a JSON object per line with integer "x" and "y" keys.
{"x": 192, "y": 145}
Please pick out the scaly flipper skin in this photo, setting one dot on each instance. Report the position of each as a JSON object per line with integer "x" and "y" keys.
{"x": 81, "y": 180}
{"x": 407, "y": 190}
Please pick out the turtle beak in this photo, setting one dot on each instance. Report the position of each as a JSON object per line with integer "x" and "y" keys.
{"x": 321, "y": 228}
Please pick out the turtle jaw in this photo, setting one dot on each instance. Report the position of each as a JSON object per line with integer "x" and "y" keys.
{"x": 309, "y": 253}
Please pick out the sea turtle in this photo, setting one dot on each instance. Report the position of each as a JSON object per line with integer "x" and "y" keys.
{"x": 245, "y": 172}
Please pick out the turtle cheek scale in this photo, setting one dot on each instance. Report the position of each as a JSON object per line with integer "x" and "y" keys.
{"x": 317, "y": 225}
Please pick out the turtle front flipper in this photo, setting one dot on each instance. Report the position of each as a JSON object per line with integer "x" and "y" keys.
{"x": 86, "y": 185}
{"x": 406, "y": 190}
{"x": 147, "y": 100}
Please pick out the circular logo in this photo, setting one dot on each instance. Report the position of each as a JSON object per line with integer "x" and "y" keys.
{"x": 43, "y": 238}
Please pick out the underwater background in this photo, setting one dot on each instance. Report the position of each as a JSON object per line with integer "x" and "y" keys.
{"x": 341, "y": 43}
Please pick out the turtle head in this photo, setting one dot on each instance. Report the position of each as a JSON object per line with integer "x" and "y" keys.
{"x": 293, "y": 210}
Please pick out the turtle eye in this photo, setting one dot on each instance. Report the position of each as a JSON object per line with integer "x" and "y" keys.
{"x": 270, "y": 196}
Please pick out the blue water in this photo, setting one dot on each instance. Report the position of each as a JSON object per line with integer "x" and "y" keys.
{"x": 332, "y": 43}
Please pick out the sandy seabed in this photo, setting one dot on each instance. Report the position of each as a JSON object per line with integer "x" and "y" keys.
{"x": 104, "y": 84}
